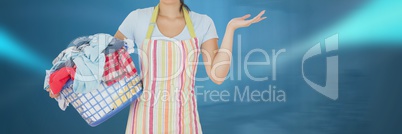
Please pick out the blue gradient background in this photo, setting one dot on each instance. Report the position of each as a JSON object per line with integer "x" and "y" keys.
{"x": 32, "y": 33}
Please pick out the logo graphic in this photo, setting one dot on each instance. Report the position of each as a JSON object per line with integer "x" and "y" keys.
{"x": 331, "y": 85}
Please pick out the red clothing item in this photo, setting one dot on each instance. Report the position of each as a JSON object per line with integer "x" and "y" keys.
{"x": 59, "y": 78}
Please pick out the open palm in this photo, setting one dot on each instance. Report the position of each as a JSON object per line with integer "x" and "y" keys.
{"x": 242, "y": 22}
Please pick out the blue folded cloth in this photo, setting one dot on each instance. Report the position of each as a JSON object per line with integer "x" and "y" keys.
{"x": 90, "y": 64}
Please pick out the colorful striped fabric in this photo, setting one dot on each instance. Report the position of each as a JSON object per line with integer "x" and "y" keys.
{"x": 168, "y": 104}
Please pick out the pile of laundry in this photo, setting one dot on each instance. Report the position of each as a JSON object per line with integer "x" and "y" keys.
{"x": 89, "y": 61}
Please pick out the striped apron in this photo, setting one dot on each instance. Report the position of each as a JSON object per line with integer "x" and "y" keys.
{"x": 168, "y": 104}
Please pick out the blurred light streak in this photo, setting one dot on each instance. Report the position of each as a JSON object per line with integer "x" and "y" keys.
{"x": 13, "y": 50}
{"x": 379, "y": 22}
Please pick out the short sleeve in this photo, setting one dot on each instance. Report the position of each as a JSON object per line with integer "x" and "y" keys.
{"x": 210, "y": 30}
{"x": 127, "y": 27}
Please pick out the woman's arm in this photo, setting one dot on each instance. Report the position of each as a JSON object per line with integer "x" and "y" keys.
{"x": 119, "y": 35}
{"x": 217, "y": 61}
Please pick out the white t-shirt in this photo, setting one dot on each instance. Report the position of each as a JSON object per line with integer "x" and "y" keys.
{"x": 135, "y": 27}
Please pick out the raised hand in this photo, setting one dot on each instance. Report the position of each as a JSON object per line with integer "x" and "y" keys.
{"x": 242, "y": 22}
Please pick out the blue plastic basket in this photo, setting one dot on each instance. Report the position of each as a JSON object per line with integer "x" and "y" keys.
{"x": 101, "y": 104}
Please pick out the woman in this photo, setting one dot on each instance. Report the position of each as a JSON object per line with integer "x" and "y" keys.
{"x": 170, "y": 39}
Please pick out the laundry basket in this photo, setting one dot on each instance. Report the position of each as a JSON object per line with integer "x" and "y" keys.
{"x": 99, "y": 105}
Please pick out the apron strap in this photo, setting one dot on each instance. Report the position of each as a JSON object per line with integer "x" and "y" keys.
{"x": 189, "y": 23}
{"x": 152, "y": 24}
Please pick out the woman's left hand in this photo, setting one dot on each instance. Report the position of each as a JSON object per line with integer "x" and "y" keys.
{"x": 242, "y": 22}
{"x": 51, "y": 95}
